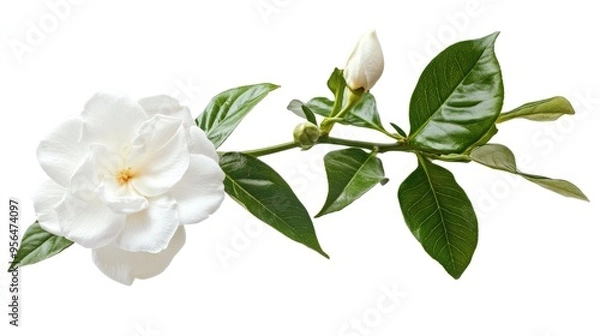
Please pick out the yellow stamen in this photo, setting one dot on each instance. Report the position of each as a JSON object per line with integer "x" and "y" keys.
{"x": 124, "y": 175}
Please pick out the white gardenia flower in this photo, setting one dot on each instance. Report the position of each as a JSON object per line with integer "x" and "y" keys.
{"x": 125, "y": 177}
{"x": 365, "y": 65}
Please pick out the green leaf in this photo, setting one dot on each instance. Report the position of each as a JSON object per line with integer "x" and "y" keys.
{"x": 398, "y": 129}
{"x": 301, "y": 110}
{"x": 561, "y": 187}
{"x": 351, "y": 172}
{"x": 502, "y": 158}
{"x": 37, "y": 245}
{"x": 542, "y": 110}
{"x": 458, "y": 97}
{"x": 337, "y": 85}
{"x": 320, "y": 105}
{"x": 440, "y": 215}
{"x": 336, "y": 81}
{"x": 266, "y": 195}
{"x": 363, "y": 114}
{"x": 495, "y": 156}
{"x": 225, "y": 110}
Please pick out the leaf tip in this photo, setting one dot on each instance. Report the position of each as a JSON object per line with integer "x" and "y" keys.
{"x": 456, "y": 272}
{"x": 584, "y": 198}
{"x": 456, "y": 276}
{"x": 491, "y": 37}
{"x": 321, "y": 252}
{"x": 324, "y": 211}
{"x": 272, "y": 86}
{"x": 13, "y": 267}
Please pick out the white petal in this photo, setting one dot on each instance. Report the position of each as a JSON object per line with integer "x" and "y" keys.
{"x": 150, "y": 230}
{"x": 168, "y": 106}
{"x": 159, "y": 157}
{"x": 89, "y": 223}
{"x": 62, "y": 151}
{"x": 124, "y": 267}
{"x": 111, "y": 119}
{"x": 97, "y": 164}
{"x": 200, "y": 191}
{"x": 198, "y": 143}
{"x": 365, "y": 64}
{"x": 45, "y": 200}
{"x": 121, "y": 199}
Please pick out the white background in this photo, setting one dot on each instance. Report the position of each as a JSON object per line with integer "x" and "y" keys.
{"x": 535, "y": 271}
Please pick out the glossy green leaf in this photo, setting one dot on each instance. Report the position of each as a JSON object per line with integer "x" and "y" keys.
{"x": 320, "y": 105}
{"x": 495, "y": 156}
{"x": 458, "y": 97}
{"x": 440, "y": 215}
{"x": 502, "y": 158}
{"x": 542, "y": 110}
{"x": 225, "y": 111}
{"x": 363, "y": 114}
{"x": 301, "y": 110}
{"x": 266, "y": 195}
{"x": 336, "y": 81}
{"x": 351, "y": 173}
{"x": 398, "y": 129}
{"x": 37, "y": 245}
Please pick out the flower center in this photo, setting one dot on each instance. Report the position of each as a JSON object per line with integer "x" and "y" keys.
{"x": 124, "y": 175}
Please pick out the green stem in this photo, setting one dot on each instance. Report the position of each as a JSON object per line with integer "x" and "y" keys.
{"x": 380, "y": 147}
{"x": 272, "y": 149}
{"x": 337, "y": 104}
{"x": 503, "y": 117}
{"x": 336, "y": 113}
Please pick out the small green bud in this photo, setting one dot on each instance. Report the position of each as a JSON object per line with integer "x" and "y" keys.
{"x": 306, "y": 135}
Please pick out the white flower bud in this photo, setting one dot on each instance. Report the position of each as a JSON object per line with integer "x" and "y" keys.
{"x": 365, "y": 65}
